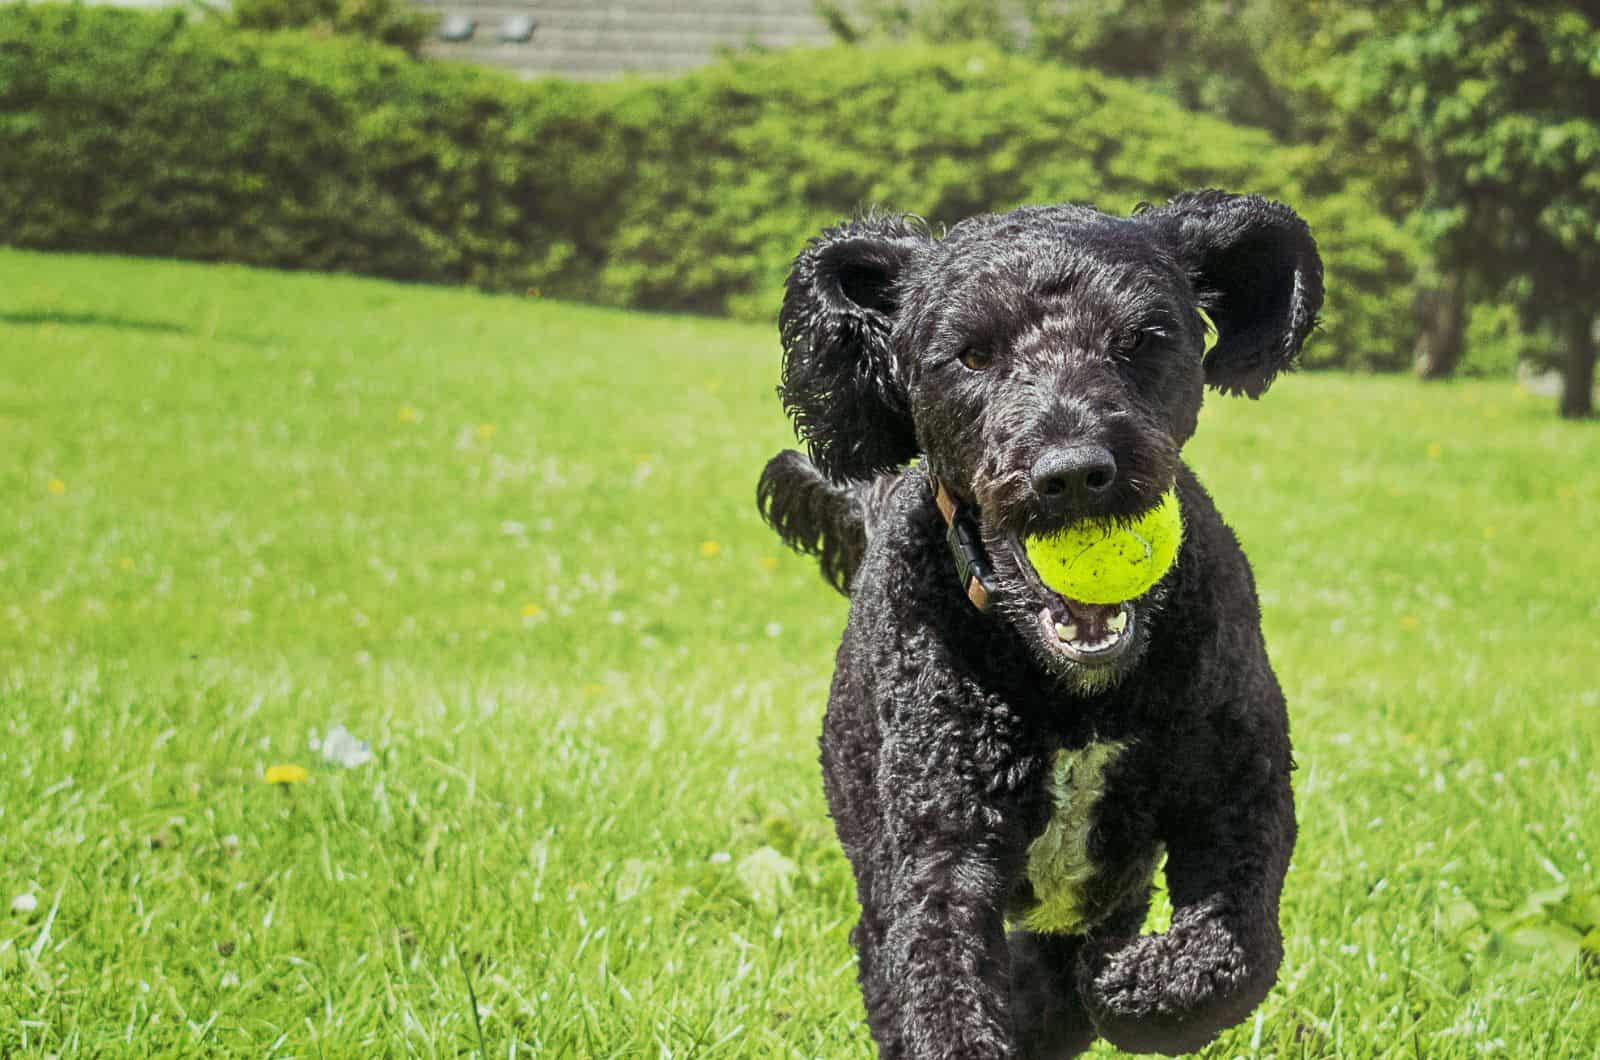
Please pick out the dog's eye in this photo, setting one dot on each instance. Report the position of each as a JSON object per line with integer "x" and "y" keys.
{"x": 1137, "y": 341}
{"x": 976, "y": 360}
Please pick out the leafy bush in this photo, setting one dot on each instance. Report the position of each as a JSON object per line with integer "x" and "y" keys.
{"x": 393, "y": 22}
{"x": 741, "y": 162}
{"x": 145, "y": 134}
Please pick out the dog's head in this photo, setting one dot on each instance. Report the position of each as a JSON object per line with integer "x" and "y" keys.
{"x": 1048, "y": 364}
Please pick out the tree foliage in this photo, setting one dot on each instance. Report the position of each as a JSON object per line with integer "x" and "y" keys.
{"x": 1212, "y": 56}
{"x": 1496, "y": 110}
{"x": 1474, "y": 124}
{"x": 1215, "y": 56}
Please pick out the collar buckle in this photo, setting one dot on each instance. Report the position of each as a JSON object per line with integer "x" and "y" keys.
{"x": 961, "y": 535}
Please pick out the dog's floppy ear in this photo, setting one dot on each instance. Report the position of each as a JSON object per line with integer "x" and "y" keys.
{"x": 841, "y": 383}
{"x": 1255, "y": 269}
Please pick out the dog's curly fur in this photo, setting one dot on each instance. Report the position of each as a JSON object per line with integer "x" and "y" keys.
{"x": 944, "y": 723}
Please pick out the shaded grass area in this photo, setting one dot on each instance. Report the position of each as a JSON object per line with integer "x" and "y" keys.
{"x": 514, "y": 545}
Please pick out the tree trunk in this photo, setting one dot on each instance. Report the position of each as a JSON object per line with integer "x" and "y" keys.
{"x": 1444, "y": 328}
{"x": 1577, "y": 373}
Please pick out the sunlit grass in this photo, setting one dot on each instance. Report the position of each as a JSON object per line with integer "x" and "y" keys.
{"x": 514, "y": 546}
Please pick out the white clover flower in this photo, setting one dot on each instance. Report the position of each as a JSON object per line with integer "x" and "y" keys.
{"x": 342, "y": 748}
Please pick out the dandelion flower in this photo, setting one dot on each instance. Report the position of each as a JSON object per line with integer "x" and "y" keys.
{"x": 486, "y": 431}
{"x": 1435, "y": 450}
{"x": 531, "y": 610}
{"x": 286, "y": 774}
{"x": 1409, "y": 621}
{"x": 769, "y": 562}
{"x": 408, "y": 414}
{"x": 1489, "y": 532}
{"x": 125, "y": 563}
{"x": 57, "y": 487}
{"x": 709, "y": 549}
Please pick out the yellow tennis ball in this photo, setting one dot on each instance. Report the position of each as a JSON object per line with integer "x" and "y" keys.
{"x": 1099, "y": 561}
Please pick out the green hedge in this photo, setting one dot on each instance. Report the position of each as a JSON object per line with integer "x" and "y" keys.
{"x": 148, "y": 134}
{"x": 742, "y": 161}
{"x": 144, "y": 134}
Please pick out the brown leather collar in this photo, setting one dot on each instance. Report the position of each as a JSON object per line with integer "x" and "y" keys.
{"x": 961, "y": 535}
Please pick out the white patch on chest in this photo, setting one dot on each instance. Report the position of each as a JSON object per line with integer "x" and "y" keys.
{"x": 1058, "y": 860}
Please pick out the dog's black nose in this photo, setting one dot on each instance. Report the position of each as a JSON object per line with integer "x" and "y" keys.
{"x": 1073, "y": 473}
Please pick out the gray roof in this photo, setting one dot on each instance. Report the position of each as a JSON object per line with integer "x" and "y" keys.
{"x": 605, "y": 38}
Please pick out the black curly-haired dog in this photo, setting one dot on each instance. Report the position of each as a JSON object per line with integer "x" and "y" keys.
{"x": 995, "y": 754}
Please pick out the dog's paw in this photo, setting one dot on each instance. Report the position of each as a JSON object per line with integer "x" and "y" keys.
{"x": 1144, "y": 998}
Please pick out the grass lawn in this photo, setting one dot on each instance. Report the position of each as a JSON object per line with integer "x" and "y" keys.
{"x": 514, "y": 545}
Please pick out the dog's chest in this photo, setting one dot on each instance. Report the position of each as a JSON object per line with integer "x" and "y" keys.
{"x": 1069, "y": 886}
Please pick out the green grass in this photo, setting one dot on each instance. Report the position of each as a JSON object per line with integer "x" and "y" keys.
{"x": 513, "y": 544}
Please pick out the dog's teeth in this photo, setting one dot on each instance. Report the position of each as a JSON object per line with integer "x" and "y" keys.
{"x": 1067, "y": 632}
{"x": 1119, "y": 623}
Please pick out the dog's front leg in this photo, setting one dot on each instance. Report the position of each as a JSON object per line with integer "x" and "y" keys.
{"x": 955, "y": 802}
{"x": 1175, "y": 992}
{"x": 946, "y": 964}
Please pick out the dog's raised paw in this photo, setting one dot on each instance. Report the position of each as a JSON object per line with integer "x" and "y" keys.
{"x": 1136, "y": 994}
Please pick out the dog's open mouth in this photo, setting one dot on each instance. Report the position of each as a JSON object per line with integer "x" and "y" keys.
{"x": 1089, "y": 634}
